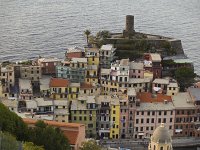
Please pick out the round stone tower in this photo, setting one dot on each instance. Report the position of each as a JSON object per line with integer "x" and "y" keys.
{"x": 161, "y": 139}
{"x": 129, "y": 23}
{"x": 129, "y": 30}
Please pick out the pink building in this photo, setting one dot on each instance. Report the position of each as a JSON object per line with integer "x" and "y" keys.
{"x": 153, "y": 110}
{"x": 127, "y": 109}
{"x": 136, "y": 70}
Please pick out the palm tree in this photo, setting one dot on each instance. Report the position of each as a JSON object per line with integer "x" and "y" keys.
{"x": 87, "y": 33}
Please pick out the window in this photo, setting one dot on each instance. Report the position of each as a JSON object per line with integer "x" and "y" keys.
{"x": 164, "y": 120}
{"x": 113, "y": 118}
{"x": 90, "y": 118}
{"x": 160, "y": 113}
{"x": 153, "y": 113}
{"x": 75, "y": 118}
{"x": 114, "y": 112}
{"x": 137, "y": 120}
{"x": 170, "y": 119}
{"x": 142, "y": 120}
{"x": 159, "y": 120}
{"x": 125, "y": 79}
{"x": 85, "y": 118}
{"x": 152, "y": 120}
{"x": 80, "y": 118}
{"x": 147, "y": 120}
{"x": 165, "y": 112}
{"x": 90, "y": 125}
{"x": 148, "y": 113}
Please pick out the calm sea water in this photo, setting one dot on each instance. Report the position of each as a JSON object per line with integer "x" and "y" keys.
{"x": 29, "y": 28}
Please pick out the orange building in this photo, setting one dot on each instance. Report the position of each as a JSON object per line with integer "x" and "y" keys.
{"x": 74, "y": 132}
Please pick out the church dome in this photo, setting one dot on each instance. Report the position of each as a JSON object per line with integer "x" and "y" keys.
{"x": 161, "y": 135}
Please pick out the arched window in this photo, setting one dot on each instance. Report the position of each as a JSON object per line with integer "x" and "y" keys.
{"x": 161, "y": 148}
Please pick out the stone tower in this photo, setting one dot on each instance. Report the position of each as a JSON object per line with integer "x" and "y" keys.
{"x": 161, "y": 139}
{"x": 129, "y": 31}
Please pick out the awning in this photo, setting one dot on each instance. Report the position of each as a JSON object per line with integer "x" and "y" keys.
{"x": 178, "y": 130}
{"x": 140, "y": 133}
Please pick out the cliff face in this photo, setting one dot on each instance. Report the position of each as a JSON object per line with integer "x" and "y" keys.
{"x": 177, "y": 45}
{"x": 134, "y": 48}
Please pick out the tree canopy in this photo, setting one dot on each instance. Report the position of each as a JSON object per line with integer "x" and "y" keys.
{"x": 8, "y": 142}
{"x": 31, "y": 146}
{"x": 90, "y": 145}
{"x": 87, "y": 33}
{"x": 42, "y": 135}
{"x": 10, "y": 122}
{"x": 49, "y": 137}
{"x": 185, "y": 77}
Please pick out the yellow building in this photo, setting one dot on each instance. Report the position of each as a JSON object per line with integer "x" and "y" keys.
{"x": 62, "y": 89}
{"x": 74, "y": 89}
{"x": 92, "y": 74}
{"x": 59, "y": 88}
{"x": 115, "y": 119}
{"x": 61, "y": 113}
{"x": 89, "y": 89}
{"x": 109, "y": 86}
{"x": 172, "y": 89}
{"x": 92, "y": 55}
{"x": 148, "y": 74}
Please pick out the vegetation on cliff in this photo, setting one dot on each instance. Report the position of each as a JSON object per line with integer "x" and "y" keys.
{"x": 185, "y": 77}
{"x": 42, "y": 135}
{"x": 90, "y": 145}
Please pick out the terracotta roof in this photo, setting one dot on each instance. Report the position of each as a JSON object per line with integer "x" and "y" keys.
{"x": 149, "y": 98}
{"x": 74, "y": 55}
{"x": 71, "y": 136}
{"x": 58, "y": 82}
{"x": 54, "y": 123}
{"x": 86, "y": 86}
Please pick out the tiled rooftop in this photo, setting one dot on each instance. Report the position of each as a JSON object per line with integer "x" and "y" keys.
{"x": 146, "y": 97}
{"x": 156, "y": 106}
{"x": 58, "y": 82}
{"x": 86, "y": 86}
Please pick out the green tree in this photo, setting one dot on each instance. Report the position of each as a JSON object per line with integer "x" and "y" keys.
{"x": 87, "y": 34}
{"x": 31, "y": 146}
{"x": 10, "y": 122}
{"x": 90, "y": 145}
{"x": 8, "y": 142}
{"x": 103, "y": 34}
{"x": 185, "y": 77}
{"x": 49, "y": 137}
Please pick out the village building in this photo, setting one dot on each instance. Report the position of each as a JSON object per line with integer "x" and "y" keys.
{"x": 48, "y": 65}
{"x": 152, "y": 110}
{"x": 107, "y": 53}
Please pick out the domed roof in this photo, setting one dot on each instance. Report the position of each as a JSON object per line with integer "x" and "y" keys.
{"x": 161, "y": 135}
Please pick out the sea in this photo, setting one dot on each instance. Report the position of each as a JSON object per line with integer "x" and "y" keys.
{"x": 32, "y": 28}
